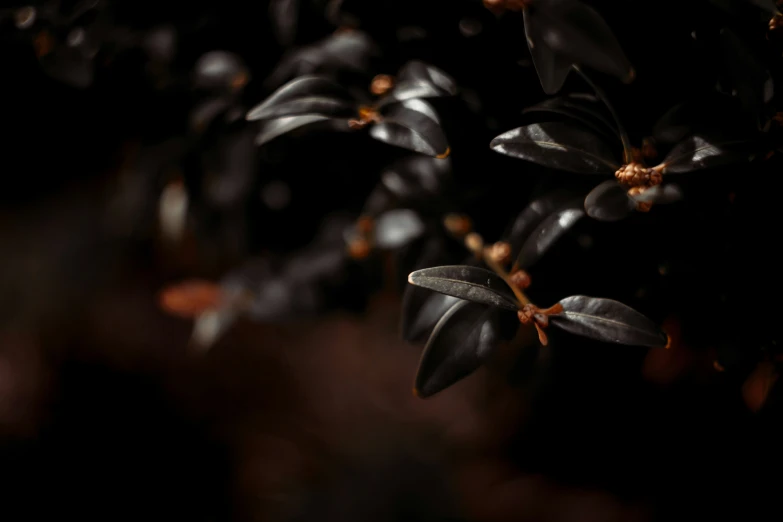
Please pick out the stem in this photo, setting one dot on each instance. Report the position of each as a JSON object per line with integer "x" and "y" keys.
{"x": 499, "y": 270}
{"x": 627, "y": 156}
{"x": 502, "y": 273}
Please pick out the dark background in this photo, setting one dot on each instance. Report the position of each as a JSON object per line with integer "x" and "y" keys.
{"x": 106, "y": 413}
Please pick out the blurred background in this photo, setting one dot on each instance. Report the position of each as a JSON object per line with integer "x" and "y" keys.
{"x": 115, "y": 121}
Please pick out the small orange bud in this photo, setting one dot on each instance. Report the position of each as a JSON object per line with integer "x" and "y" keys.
{"x": 381, "y": 84}
{"x": 457, "y": 224}
{"x": 474, "y": 242}
{"x": 359, "y": 248}
{"x": 190, "y": 298}
{"x": 520, "y": 279}
{"x": 499, "y": 252}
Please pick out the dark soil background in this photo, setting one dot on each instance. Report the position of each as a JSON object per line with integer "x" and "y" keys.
{"x": 106, "y": 413}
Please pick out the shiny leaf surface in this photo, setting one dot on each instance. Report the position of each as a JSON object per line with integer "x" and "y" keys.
{"x": 702, "y": 152}
{"x": 463, "y": 339}
{"x": 465, "y": 282}
{"x": 607, "y": 320}
{"x": 308, "y": 94}
{"x": 558, "y": 146}
{"x": 535, "y": 213}
{"x": 546, "y": 234}
{"x": 412, "y": 125}
{"x": 417, "y": 79}
{"x": 277, "y": 127}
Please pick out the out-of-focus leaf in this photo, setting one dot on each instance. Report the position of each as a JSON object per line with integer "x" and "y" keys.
{"x": 581, "y": 108}
{"x": 352, "y": 51}
{"x": 397, "y": 227}
{"x": 535, "y": 213}
{"x": 546, "y": 234}
{"x": 702, "y": 152}
{"x": 206, "y": 112}
{"x": 161, "y": 44}
{"x": 552, "y": 69}
{"x": 421, "y": 308}
{"x": 759, "y": 383}
{"x": 660, "y": 194}
{"x": 190, "y": 298}
{"x": 415, "y": 177}
{"x": 277, "y": 127}
{"x": 420, "y": 80}
{"x": 466, "y": 282}
{"x": 211, "y": 325}
{"x": 607, "y": 320}
{"x": 580, "y": 35}
{"x": 609, "y": 201}
{"x": 412, "y": 125}
{"x": 749, "y": 77}
{"x": 219, "y": 70}
{"x": 284, "y": 15}
{"x": 70, "y": 66}
{"x": 306, "y": 95}
{"x": 559, "y": 146}
{"x": 463, "y": 339}
{"x": 229, "y": 169}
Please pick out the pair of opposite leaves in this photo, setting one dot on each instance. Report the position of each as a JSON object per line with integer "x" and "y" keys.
{"x": 473, "y": 309}
{"x": 583, "y": 144}
{"x": 400, "y": 117}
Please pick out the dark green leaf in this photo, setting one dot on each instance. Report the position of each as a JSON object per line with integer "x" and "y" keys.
{"x": 749, "y": 78}
{"x": 552, "y": 69}
{"x": 431, "y": 308}
{"x": 206, "y": 112}
{"x": 277, "y": 127}
{"x": 463, "y": 339}
{"x": 701, "y": 152}
{"x": 579, "y": 34}
{"x": 559, "y": 146}
{"x": 419, "y": 80}
{"x": 607, "y": 320}
{"x": 421, "y": 308}
{"x": 535, "y": 213}
{"x": 416, "y": 177}
{"x": 466, "y": 282}
{"x": 412, "y": 125}
{"x": 351, "y": 51}
{"x": 284, "y": 15}
{"x": 609, "y": 201}
{"x": 305, "y": 95}
{"x": 585, "y": 109}
{"x": 660, "y": 194}
{"x": 545, "y": 235}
